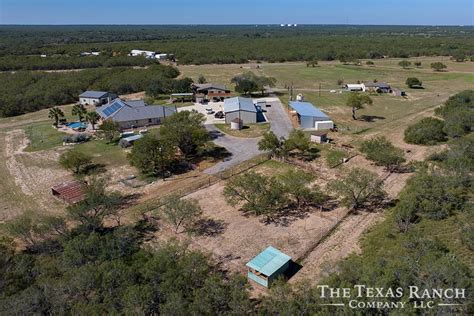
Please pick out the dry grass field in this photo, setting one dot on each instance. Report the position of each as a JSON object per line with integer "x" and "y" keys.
{"x": 29, "y": 151}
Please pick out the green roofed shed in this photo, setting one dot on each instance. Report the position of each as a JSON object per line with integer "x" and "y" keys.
{"x": 267, "y": 266}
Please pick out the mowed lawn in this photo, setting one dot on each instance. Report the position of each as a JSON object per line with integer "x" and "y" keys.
{"x": 43, "y": 136}
{"x": 106, "y": 154}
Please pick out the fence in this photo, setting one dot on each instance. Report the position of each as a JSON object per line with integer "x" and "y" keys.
{"x": 202, "y": 182}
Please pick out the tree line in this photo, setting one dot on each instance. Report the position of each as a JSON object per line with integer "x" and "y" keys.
{"x": 239, "y": 44}
{"x": 14, "y": 63}
{"x": 27, "y": 91}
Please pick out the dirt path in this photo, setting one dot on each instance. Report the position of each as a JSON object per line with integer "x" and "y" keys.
{"x": 342, "y": 242}
{"x": 33, "y": 173}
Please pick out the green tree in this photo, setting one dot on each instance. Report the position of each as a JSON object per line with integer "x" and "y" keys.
{"x": 404, "y": 64}
{"x": 97, "y": 206}
{"x": 186, "y": 131}
{"x": 55, "y": 114}
{"x": 110, "y": 130}
{"x": 274, "y": 147}
{"x": 413, "y": 82}
{"x": 298, "y": 140}
{"x": 358, "y": 188}
{"x": 357, "y": 101}
{"x": 438, "y": 66}
{"x": 180, "y": 212}
{"x": 459, "y": 57}
{"x": 383, "y": 153}
{"x": 433, "y": 195}
{"x": 92, "y": 118}
{"x": 202, "y": 79}
{"x": 22, "y": 227}
{"x": 417, "y": 64}
{"x": 263, "y": 82}
{"x": 428, "y": 131}
{"x": 458, "y": 113}
{"x": 79, "y": 110}
{"x": 151, "y": 156}
{"x": 75, "y": 160}
{"x": 297, "y": 184}
{"x": 259, "y": 194}
{"x": 248, "y": 82}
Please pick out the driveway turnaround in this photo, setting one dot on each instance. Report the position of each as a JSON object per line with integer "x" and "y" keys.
{"x": 243, "y": 149}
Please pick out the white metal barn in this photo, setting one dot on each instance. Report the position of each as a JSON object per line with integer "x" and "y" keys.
{"x": 355, "y": 87}
{"x": 310, "y": 117}
{"x": 241, "y": 108}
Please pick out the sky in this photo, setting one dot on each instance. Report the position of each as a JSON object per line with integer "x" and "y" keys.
{"x": 386, "y": 12}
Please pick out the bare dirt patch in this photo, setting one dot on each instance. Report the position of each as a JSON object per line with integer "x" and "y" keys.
{"x": 245, "y": 236}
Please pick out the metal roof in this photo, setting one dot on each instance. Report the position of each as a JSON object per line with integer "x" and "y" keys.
{"x": 207, "y": 86}
{"x": 239, "y": 103}
{"x": 124, "y": 111}
{"x": 93, "y": 94}
{"x": 185, "y": 94}
{"x": 307, "y": 109}
{"x": 269, "y": 261}
{"x": 133, "y": 138}
{"x": 381, "y": 85}
{"x": 70, "y": 191}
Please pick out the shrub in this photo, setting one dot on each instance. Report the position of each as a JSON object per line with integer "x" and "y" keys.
{"x": 428, "y": 131}
{"x": 381, "y": 151}
{"x": 412, "y": 82}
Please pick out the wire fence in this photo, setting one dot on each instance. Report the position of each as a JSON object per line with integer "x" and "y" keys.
{"x": 200, "y": 183}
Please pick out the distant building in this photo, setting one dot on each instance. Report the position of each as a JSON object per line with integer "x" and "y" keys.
{"x": 379, "y": 87}
{"x": 311, "y": 118}
{"x": 96, "y": 98}
{"x": 146, "y": 53}
{"x": 267, "y": 266}
{"x": 209, "y": 92}
{"x": 90, "y": 54}
{"x": 241, "y": 108}
{"x": 132, "y": 114}
{"x": 354, "y": 87}
{"x": 398, "y": 93}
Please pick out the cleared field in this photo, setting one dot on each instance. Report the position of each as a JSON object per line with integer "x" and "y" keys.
{"x": 388, "y": 114}
{"x": 233, "y": 238}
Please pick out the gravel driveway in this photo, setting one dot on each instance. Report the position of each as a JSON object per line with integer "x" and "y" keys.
{"x": 243, "y": 149}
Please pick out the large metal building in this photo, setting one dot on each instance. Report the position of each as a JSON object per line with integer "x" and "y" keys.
{"x": 310, "y": 117}
{"x": 241, "y": 108}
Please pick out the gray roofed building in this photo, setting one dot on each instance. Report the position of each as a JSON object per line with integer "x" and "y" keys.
{"x": 239, "y": 104}
{"x": 93, "y": 94}
{"x": 206, "y": 86}
{"x": 129, "y": 114}
{"x": 96, "y": 97}
{"x": 381, "y": 85}
{"x": 242, "y": 108}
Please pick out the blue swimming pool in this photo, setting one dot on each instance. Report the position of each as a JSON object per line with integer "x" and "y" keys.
{"x": 75, "y": 125}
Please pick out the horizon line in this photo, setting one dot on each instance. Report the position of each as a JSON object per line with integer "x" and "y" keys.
{"x": 236, "y": 24}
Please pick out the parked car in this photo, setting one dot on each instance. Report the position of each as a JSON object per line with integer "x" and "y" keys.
{"x": 210, "y": 111}
{"x": 219, "y": 115}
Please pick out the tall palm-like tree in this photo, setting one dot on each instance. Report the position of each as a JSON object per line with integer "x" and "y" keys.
{"x": 79, "y": 110}
{"x": 55, "y": 114}
{"x": 93, "y": 118}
